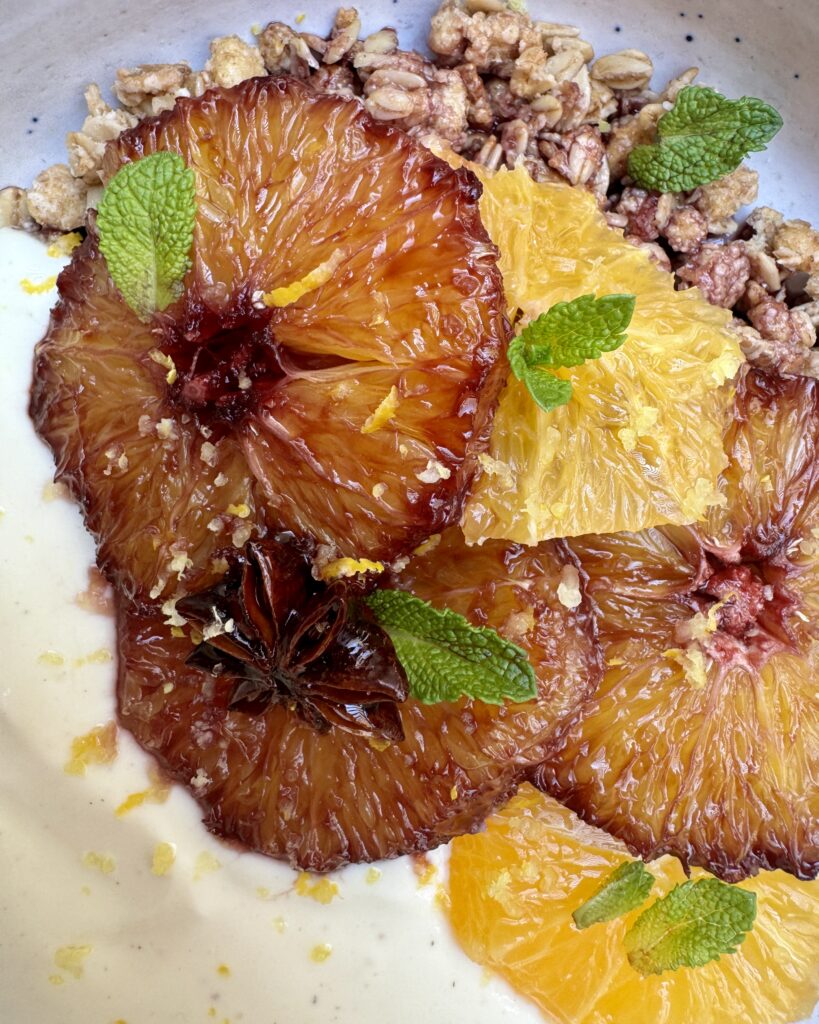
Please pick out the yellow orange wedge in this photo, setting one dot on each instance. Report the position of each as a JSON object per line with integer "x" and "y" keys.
{"x": 640, "y": 444}
{"x": 513, "y": 889}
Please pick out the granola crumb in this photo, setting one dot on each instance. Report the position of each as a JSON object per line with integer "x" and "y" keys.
{"x": 232, "y": 61}
{"x": 56, "y": 199}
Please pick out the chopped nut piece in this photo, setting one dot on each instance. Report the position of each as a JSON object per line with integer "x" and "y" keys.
{"x": 56, "y": 199}
{"x": 532, "y": 76}
{"x": 14, "y": 212}
{"x": 796, "y": 246}
{"x": 335, "y": 79}
{"x": 285, "y": 52}
{"x": 87, "y": 146}
{"x": 232, "y": 61}
{"x": 764, "y": 269}
{"x": 720, "y": 200}
{"x": 637, "y": 130}
{"x": 580, "y": 157}
{"x": 433, "y": 472}
{"x": 151, "y": 88}
{"x": 383, "y": 41}
{"x": 764, "y": 222}
{"x": 568, "y": 590}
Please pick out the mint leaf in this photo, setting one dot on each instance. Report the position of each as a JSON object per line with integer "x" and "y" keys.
{"x": 145, "y": 222}
{"x": 516, "y": 354}
{"x": 625, "y": 889}
{"x": 445, "y": 657}
{"x": 567, "y": 335}
{"x": 571, "y": 332}
{"x": 702, "y": 138}
{"x": 547, "y": 390}
{"x": 697, "y": 922}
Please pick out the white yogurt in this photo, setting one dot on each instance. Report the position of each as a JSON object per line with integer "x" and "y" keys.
{"x": 157, "y": 943}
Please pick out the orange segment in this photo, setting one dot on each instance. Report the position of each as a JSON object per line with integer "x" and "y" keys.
{"x": 513, "y": 889}
{"x": 640, "y": 442}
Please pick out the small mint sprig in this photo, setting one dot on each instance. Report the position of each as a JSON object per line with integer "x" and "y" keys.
{"x": 697, "y": 922}
{"x": 701, "y": 139}
{"x": 145, "y": 223}
{"x": 625, "y": 889}
{"x": 445, "y": 657}
{"x": 567, "y": 335}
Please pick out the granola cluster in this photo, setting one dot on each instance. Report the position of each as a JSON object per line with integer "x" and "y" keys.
{"x": 500, "y": 89}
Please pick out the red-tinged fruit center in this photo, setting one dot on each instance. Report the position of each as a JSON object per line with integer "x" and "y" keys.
{"x": 750, "y": 611}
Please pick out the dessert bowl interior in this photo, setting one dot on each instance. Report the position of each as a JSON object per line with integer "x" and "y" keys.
{"x": 391, "y": 953}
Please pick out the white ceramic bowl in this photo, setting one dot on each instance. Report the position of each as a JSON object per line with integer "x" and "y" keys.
{"x": 156, "y": 944}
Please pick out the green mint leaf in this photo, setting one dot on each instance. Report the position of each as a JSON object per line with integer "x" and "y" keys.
{"x": 625, "y": 889}
{"x": 547, "y": 390}
{"x": 567, "y": 335}
{"x": 571, "y": 332}
{"x": 445, "y": 657}
{"x": 145, "y": 222}
{"x": 702, "y": 138}
{"x": 516, "y": 355}
{"x": 697, "y": 922}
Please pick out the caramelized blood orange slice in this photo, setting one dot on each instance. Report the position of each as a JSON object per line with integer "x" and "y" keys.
{"x": 703, "y": 739}
{"x": 352, "y": 414}
{"x": 320, "y": 797}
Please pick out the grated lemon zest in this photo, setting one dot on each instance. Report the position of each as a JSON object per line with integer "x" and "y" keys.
{"x": 206, "y": 863}
{"x": 163, "y": 359}
{"x": 71, "y": 959}
{"x": 242, "y": 511}
{"x": 288, "y": 294}
{"x": 430, "y": 544}
{"x": 38, "y": 287}
{"x": 343, "y": 568}
{"x": 99, "y": 746}
{"x": 322, "y": 890}
{"x": 51, "y": 658}
{"x": 157, "y": 793}
{"x": 320, "y": 953}
{"x": 693, "y": 662}
{"x": 64, "y": 245}
{"x": 385, "y": 411}
{"x": 102, "y": 862}
{"x": 163, "y": 858}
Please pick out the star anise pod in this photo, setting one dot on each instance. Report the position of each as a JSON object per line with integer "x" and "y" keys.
{"x": 285, "y": 636}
